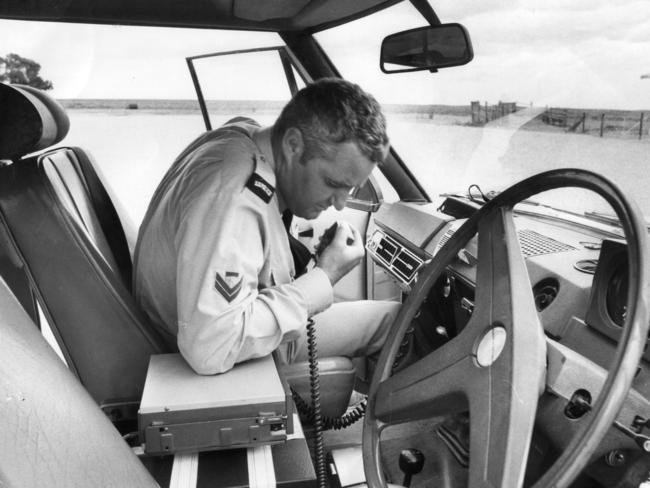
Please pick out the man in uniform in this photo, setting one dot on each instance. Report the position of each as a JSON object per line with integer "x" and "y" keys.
{"x": 213, "y": 266}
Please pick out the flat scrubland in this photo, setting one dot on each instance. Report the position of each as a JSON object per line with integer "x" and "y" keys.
{"x": 615, "y": 122}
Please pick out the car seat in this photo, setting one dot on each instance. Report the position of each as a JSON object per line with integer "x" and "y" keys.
{"x": 59, "y": 222}
{"x": 51, "y": 432}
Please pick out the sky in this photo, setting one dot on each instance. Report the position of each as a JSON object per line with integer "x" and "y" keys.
{"x": 578, "y": 53}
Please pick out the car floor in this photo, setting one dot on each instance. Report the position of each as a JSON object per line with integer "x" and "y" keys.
{"x": 440, "y": 468}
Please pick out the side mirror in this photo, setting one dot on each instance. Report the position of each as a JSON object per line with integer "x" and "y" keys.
{"x": 431, "y": 47}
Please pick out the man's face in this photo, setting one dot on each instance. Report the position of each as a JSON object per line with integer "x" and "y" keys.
{"x": 314, "y": 184}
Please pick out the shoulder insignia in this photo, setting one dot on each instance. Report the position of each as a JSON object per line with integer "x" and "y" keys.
{"x": 229, "y": 285}
{"x": 260, "y": 187}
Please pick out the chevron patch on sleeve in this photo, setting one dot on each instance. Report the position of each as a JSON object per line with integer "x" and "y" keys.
{"x": 228, "y": 285}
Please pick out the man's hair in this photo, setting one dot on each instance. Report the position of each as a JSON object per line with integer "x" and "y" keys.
{"x": 332, "y": 111}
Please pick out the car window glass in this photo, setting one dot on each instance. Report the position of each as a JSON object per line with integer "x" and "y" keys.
{"x": 129, "y": 95}
{"x": 252, "y": 84}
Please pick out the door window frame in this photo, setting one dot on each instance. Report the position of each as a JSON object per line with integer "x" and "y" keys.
{"x": 288, "y": 64}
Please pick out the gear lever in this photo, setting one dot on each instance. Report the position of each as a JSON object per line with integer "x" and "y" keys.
{"x": 411, "y": 461}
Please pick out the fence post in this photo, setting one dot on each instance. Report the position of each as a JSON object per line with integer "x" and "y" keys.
{"x": 602, "y": 124}
{"x": 584, "y": 116}
{"x": 487, "y": 118}
{"x": 641, "y": 126}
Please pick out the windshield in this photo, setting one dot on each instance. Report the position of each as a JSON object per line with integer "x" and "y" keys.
{"x": 550, "y": 86}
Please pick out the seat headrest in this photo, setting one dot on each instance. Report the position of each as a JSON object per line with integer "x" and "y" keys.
{"x": 30, "y": 120}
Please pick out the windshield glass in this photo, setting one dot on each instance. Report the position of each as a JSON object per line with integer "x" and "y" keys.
{"x": 577, "y": 78}
{"x": 550, "y": 86}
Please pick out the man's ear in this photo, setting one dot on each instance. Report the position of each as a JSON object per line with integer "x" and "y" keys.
{"x": 293, "y": 145}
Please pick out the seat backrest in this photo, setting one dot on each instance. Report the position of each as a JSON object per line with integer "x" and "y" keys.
{"x": 61, "y": 224}
{"x": 51, "y": 431}
{"x": 78, "y": 188}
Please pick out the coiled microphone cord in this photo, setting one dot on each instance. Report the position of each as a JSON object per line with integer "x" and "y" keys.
{"x": 314, "y": 382}
{"x": 335, "y": 423}
{"x": 313, "y": 411}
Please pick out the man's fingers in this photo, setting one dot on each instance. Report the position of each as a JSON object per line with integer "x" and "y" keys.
{"x": 356, "y": 236}
{"x": 349, "y": 233}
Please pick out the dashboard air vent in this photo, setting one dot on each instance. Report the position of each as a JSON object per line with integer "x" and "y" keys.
{"x": 545, "y": 292}
{"x": 393, "y": 256}
{"x": 445, "y": 238}
{"x": 587, "y": 265}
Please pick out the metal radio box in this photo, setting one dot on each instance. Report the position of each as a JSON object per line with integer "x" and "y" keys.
{"x": 182, "y": 411}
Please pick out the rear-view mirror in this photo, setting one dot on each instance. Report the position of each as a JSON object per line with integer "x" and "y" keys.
{"x": 431, "y": 47}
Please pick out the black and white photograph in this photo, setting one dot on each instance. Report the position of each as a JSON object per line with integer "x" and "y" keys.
{"x": 324, "y": 243}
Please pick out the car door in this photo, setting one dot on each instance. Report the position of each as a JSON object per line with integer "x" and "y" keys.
{"x": 258, "y": 83}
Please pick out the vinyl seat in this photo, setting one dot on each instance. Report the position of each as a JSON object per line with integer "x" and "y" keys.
{"x": 63, "y": 233}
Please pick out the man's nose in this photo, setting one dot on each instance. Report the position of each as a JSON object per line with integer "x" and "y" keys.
{"x": 339, "y": 199}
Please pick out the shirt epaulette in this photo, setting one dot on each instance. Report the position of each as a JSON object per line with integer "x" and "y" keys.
{"x": 260, "y": 187}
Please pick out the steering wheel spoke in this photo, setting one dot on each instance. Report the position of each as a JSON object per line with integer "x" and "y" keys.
{"x": 503, "y": 289}
{"x": 509, "y": 356}
{"x": 503, "y": 403}
{"x": 432, "y": 386}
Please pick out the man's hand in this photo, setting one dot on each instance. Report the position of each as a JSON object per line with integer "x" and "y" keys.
{"x": 342, "y": 254}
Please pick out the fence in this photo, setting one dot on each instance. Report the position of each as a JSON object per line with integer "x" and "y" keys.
{"x": 556, "y": 116}
{"x": 615, "y": 123}
{"x": 482, "y": 114}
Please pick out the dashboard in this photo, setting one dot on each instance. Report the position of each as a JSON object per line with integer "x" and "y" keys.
{"x": 578, "y": 276}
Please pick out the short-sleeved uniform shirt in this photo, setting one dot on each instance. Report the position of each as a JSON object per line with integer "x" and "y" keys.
{"x": 213, "y": 265}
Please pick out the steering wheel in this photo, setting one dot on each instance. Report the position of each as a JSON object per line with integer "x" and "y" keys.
{"x": 496, "y": 366}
